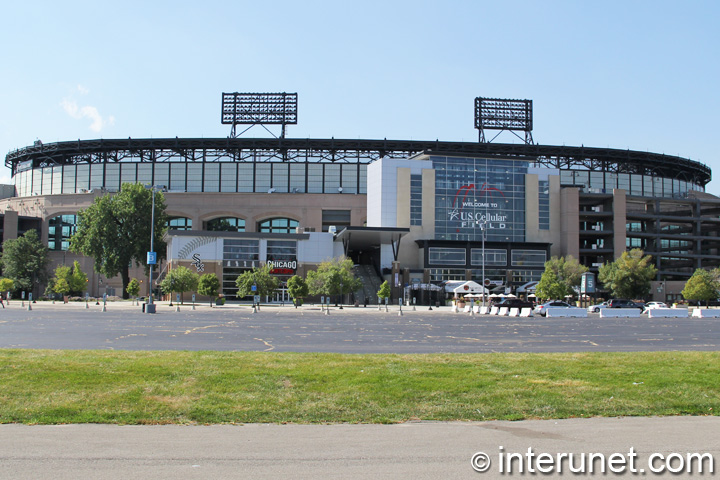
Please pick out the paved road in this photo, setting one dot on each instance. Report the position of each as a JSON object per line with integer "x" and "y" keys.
{"x": 410, "y": 450}
{"x": 351, "y": 330}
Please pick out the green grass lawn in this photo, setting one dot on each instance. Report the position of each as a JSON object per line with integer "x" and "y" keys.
{"x": 44, "y": 386}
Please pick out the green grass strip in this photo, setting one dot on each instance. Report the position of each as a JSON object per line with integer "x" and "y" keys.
{"x": 52, "y": 387}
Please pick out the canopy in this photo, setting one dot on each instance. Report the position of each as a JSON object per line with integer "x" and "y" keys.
{"x": 464, "y": 287}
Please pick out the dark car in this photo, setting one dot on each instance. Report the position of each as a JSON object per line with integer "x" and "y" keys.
{"x": 513, "y": 303}
{"x": 623, "y": 303}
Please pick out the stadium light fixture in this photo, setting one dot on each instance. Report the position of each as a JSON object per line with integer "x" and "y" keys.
{"x": 504, "y": 114}
{"x": 259, "y": 109}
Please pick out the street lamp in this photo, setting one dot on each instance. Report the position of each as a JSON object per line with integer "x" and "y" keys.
{"x": 151, "y": 254}
{"x": 483, "y": 226}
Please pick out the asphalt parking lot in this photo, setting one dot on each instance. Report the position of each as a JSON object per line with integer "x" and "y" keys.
{"x": 123, "y": 326}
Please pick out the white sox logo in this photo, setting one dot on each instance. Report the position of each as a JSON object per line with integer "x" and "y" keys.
{"x": 198, "y": 263}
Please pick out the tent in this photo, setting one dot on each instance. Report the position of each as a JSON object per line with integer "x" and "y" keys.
{"x": 463, "y": 288}
{"x": 527, "y": 288}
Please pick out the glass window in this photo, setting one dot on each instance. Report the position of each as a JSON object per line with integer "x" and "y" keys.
{"x": 262, "y": 177}
{"x": 493, "y": 257}
{"x": 239, "y": 256}
{"x": 245, "y": 177}
{"x": 544, "y": 204}
{"x": 212, "y": 177}
{"x": 144, "y": 174}
{"x": 297, "y": 177}
{"x": 280, "y": 177}
{"x": 179, "y": 223}
{"x": 332, "y": 177}
{"x": 315, "y": 178}
{"x": 56, "y": 181}
{"x": 415, "y": 199}
{"x": 177, "y": 177}
{"x": 473, "y": 193}
{"x": 228, "y": 172}
{"x": 446, "y": 256}
{"x": 60, "y": 229}
{"x": 36, "y": 186}
{"x": 529, "y": 258}
{"x": 444, "y": 274}
{"x": 162, "y": 174}
{"x": 349, "y": 177}
{"x": 225, "y": 224}
{"x": 68, "y": 178}
{"x": 47, "y": 181}
{"x": 112, "y": 177}
{"x": 278, "y": 225}
{"x": 128, "y": 173}
{"x": 363, "y": 179}
{"x": 338, "y": 218}
{"x": 194, "y": 181}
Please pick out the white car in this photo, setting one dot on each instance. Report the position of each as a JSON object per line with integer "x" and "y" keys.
{"x": 650, "y": 305}
{"x": 597, "y": 308}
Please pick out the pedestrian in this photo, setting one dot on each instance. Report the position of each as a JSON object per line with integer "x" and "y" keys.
{"x": 1, "y": 301}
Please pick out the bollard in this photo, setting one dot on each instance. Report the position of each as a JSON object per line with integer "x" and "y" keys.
{"x": 30, "y": 303}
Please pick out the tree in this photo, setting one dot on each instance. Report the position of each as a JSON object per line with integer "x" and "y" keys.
{"x": 333, "y": 277}
{"x": 179, "y": 279}
{"x": 260, "y": 277}
{"x": 115, "y": 231}
{"x": 6, "y": 284}
{"x": 209, "y": 285}
{"x": 629, "y": 276}
{"x": 25, "y": 260}
{"x": 61, "y": 286}
{"x": 78, "y": 280}
{"x": 298, "y": 289}
{"x": 133, "y": 288}
{"x": 702, "y": 286}
{"x": 384, "y": 291}
{"x": 74, "y": 280}
{"x": 568, "y": 272}
{"x": 550, "y": 287}
{"x": 60, "y": 283}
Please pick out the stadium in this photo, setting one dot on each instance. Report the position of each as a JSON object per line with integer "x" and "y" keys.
{"x": 416, "y": 213}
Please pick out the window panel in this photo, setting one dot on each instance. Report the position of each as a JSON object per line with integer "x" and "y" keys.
{"x": 228, "y": 172}
{"x": 446, "y": 256}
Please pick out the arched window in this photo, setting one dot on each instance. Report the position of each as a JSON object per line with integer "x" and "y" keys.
{"x": 60, "y": 229}
{"x": 179, "y": 223}
{"x": 278, "y": 225}
{"x": 225, "y": 224}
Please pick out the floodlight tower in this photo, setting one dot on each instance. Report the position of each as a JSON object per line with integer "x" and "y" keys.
{"x": 259, "y": 109}
{"x": 504, "y": 114}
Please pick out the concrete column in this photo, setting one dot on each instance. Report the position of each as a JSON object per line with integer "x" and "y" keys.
{"x": 619, "y": 209}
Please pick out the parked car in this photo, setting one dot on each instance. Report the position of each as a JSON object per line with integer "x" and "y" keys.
{"x": 597, "y": 308}
{"x": 650, "y": 305}
{"x": 542, "y": 309}
{"x": 623, "y": 303}
{"x": 514, "y": 303}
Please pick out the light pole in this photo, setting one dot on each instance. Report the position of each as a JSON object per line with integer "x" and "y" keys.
{"x": 483, "y": 226}
{"x": 151, "y": 254}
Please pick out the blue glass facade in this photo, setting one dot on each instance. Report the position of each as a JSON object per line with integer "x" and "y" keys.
{"x": 472, "y": 192}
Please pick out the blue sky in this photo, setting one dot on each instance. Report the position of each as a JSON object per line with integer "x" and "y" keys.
{"x": 641, "y": 75}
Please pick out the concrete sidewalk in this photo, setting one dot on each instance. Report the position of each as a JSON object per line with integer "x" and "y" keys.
{"x": 417, "y": 450}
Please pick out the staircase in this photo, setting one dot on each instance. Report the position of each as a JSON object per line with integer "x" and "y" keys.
{"x": 370, "y": 284}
